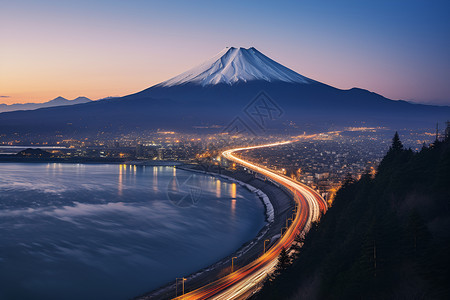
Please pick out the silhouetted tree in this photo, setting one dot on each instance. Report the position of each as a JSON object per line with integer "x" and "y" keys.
{"x": 299, "y": 240}
{"x": 395, "y": 157}
{"x": 397, "y": 145}
{"x": 366, "y": 247}
{"x": 348, "y": 179}
{"x": 283, "y": 261}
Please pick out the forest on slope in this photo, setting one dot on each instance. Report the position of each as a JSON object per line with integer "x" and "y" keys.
{"x": 386, "y": 236}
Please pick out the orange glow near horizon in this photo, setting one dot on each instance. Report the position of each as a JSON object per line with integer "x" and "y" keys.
{"x": 123, "y": 47}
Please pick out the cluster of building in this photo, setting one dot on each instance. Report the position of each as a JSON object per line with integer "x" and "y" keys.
{"x": 161, "y": 145}
{"x": 325, "y": 161}
{"x": 322, "y": 161}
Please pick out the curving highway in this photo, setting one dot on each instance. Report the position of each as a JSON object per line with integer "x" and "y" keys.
{"x": 242, "y": 282}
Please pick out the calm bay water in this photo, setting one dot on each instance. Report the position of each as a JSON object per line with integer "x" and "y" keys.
{"x": 104, "y": 231}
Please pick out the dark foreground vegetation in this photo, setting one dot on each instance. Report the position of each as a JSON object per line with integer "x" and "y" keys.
{"x": 386, "y": 237}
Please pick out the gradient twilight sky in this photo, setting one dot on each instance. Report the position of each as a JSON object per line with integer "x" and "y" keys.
{"x": 400, "y": 49}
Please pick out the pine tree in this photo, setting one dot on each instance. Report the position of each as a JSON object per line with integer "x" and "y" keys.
{"x": 283, "y": 261}
{"x": 297, "y": 246}
{"x": 397, "y": 145}
{"x": 394, "y": 158}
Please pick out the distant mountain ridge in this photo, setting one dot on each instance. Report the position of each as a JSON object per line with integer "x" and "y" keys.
{"x": 237, "y": 85}
{"x": 58, "y": 101}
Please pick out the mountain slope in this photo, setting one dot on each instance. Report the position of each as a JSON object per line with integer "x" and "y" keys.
{"x": 58, "y": 101}
{"x": 385, "y": 237}
{"x": 237, "y": 83}
{"x": 233, "y": 65}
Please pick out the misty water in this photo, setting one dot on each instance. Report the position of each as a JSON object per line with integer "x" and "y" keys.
{"x": 106, "y": 231}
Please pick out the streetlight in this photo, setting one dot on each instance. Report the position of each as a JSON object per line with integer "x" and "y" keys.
{"x": 287, "y": 221}
{"x": 265, "y": 245}
{"x": 232, "y": 263}
{"x": 176, "y": 284}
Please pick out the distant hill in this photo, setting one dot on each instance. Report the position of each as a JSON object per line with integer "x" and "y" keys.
{"x": 59, "y": 101}
{"x": 34, "y": 153}
{"x": 385, "y": 237}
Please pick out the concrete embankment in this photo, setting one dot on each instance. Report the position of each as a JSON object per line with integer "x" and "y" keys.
{"x": 282, "y": 206}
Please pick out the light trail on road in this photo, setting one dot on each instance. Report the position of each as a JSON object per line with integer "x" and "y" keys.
{"x": 242, "y": 282}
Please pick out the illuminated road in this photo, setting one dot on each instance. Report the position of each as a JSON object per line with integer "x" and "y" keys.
{"x": 242, "y": 282}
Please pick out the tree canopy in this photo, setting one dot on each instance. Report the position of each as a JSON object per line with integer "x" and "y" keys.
{"x": 384, "y": 237}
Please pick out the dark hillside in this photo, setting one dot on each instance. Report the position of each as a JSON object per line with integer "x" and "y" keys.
{"x": 385, "y": 237}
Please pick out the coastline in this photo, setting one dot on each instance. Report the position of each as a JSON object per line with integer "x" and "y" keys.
{"x": 269, "y": 212}
{"x": 84, "y": 160}
{"x": 276, "y": 206}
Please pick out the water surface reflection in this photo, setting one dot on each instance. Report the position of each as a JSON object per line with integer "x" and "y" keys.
{"x": 111, "y": 230}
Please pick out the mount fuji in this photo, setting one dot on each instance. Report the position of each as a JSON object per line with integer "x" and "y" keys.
{"x": 233, "y": 65}
{"x": 236, "y": 84}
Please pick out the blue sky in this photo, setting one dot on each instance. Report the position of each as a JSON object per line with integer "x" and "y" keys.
{"x": 400, "y": 49}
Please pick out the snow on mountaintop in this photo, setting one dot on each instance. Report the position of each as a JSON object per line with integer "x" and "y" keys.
{"x": 232, "y": 65}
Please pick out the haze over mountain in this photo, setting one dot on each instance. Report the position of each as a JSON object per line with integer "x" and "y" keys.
{"x": 58, "y": 101}
{"x": 237, "y": 85}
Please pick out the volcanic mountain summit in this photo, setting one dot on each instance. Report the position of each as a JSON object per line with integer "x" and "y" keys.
{"x": 236, "y": 84}
{"x": 232, "y": 65}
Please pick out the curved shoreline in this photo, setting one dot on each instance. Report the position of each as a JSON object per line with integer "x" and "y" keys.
{"x": 245, "y": 281}
{"x": 167, "y": 291}
{"x": 269, "y": 212}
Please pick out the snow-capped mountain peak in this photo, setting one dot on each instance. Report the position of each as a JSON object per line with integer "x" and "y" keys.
{"x": 232, "y": 65}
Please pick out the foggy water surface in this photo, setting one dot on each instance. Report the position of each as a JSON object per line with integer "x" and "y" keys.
{"x": 105, "y": 231}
